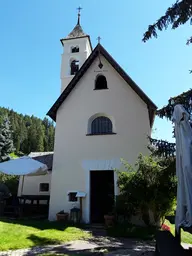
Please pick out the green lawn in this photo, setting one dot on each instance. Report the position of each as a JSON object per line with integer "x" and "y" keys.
{"x": 24, "y": 234}
{"x": 185, "y": 236}
{"x": 13, "y": 155}
{"x": 50, "y": 254}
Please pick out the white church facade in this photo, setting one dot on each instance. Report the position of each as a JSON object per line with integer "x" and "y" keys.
{"x": 101, "y": 116}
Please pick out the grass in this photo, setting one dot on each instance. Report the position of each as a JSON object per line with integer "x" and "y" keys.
{"x": 25, "y": 234}
{"x": 185, "y": 236}
{"x": 50, "y": 254}
{"x": 13, "y": 155}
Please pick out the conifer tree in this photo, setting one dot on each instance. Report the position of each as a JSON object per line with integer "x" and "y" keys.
{"x": 6, "y": 142}
{"x": 40, "y": 137}
{"x": 176, "y": 15}
{"x": 29, "y": 132}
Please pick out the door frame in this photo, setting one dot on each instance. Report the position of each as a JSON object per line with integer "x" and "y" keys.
{"x": 98, "y": 165}
{"x": 87, "y": 207}
{"x": 114, "y": 183}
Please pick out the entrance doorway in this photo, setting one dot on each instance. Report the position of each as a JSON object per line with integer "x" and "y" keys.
{"x": 101, "y": 194}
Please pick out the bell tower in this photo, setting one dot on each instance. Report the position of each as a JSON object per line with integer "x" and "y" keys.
{"x": 76, "y": 49}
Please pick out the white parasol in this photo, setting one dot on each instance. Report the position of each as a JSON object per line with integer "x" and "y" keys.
{"x": 23, "y": 166}
{"x": 183, "y": 135}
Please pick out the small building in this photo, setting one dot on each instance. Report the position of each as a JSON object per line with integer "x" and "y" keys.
{"x": 37, "y": 185}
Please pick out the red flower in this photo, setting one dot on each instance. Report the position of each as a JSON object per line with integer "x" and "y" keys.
{"x": 165, "y": 227}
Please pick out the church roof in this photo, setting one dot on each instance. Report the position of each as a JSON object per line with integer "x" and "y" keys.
{"x": 99, "y": 49}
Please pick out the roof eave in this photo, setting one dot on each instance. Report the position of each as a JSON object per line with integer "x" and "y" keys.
{"x": 53, "y": 110}
{"x": 67, "y": 39}
{"x": 128, "y": 79}
{"x": 151, "y": 106}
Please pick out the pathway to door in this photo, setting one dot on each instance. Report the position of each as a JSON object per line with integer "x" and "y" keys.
{"x": 98, "y": 245}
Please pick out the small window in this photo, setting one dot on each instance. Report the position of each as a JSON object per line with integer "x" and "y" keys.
{"x": 101, "y": 125}
{"x": 44, "y": 187}
{"x": 72, "y": 197}
{"x": 101, "y": 83}
{"x": 74, "y": 67}
{"x": 75, "y": 49}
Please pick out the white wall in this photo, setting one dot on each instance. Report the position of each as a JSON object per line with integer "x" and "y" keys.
{"x": 31, "y": 184}
{"x": 73, "y": 147}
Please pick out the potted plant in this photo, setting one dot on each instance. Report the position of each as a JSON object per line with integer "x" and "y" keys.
{"x": 62, "y": 216}
{"x": 109, "y": 219}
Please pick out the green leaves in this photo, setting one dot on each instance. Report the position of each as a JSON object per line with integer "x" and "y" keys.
{"x": 150, "y": 187}
{"x": 11, "y": 181}
{"x": 29, "y": 132}
{"x": 176, "y": 15}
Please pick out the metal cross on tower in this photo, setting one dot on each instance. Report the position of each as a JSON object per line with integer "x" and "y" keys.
{"x": 79, "y": 14}
{"x": 79, "y": 10}
{"x": 99, "y": 39}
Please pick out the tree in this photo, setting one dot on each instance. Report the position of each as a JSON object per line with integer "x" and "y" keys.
{"x": 148, "y": 190}
{"x": 6, "y": 142}
{"x": 51, "y": 133}
{"x": 32, "y": 138}
{"x": 40, "y": 137}
{"x": 11, "y": 181}
{"x": 29, "y": 132}
{"x": 178, "y": 14}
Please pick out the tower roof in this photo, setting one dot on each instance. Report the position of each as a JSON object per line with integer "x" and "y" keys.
{"x": 76, "y": 32}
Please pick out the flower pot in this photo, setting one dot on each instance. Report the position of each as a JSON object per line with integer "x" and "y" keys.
{"x": 109, "y": 220}
{"x": 62, "y": 216}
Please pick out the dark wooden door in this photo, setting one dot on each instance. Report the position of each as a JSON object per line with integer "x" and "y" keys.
{"x": 102, "y": 194}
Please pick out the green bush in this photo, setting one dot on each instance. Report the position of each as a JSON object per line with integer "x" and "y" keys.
{"x": 148, "y": 188}
{"x": 132, "y": 231}
{"x": 11, "y": 181}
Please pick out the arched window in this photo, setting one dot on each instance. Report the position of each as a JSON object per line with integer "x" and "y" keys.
{"x": 101, "y": 125}
{"x": 74, "y": 67}
{"x": 74, "y": 49}
{"x": 101, "y": 83}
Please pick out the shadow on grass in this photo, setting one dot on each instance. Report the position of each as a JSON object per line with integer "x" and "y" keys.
{"x": 39, "y": 241}
{"x": 59, "y": 249}
{"x": 123, "y": 249}
{"x": 42, "y": 224}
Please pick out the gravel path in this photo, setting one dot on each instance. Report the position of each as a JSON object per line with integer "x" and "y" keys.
{"x": 94, "y": 246}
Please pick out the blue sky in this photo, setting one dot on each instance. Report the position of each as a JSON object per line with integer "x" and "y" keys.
{"x": 30, "y": 50}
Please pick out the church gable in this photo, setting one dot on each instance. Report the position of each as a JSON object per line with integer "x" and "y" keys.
{"x": 101, "y": 57}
